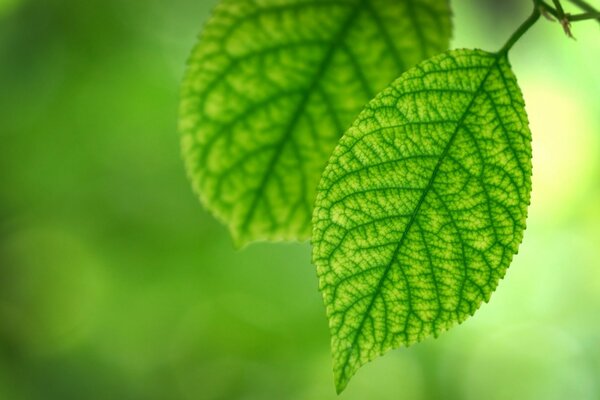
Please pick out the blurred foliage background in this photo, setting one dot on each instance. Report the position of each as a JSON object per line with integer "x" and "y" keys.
{"x": 115, "y": 284}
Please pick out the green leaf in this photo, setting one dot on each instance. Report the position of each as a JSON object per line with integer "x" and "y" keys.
{"x": 422, "y": 205}
{"x": 271, "y": 87}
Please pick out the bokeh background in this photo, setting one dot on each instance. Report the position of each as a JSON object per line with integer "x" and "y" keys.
{"x": 115, "y": 284}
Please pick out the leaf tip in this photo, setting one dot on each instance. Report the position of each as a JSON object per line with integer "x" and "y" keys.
{"x": 341, "y": 381}
{"x": 343, "y": 370}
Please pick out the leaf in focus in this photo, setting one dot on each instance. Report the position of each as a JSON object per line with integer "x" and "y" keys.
{"x": 422, "y": 205}
{"x": 271, "y": 87}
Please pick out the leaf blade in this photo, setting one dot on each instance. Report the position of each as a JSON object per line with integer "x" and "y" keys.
{"x": 401, "y": 253}
{"x": 271, "y": 87}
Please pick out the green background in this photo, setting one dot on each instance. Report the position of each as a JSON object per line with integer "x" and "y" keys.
{"x": 115, "y": 284}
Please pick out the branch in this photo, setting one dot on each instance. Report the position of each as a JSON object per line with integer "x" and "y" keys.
{"x": 588, "y": 8}
{"x": 585, "y": 16}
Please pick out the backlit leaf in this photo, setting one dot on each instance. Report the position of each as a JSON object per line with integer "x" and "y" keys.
{"x": 271, "y": 87}
{"x": 422, "y": 205}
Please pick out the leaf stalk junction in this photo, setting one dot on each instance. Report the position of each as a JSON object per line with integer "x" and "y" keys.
{"x": 542, "y": 8}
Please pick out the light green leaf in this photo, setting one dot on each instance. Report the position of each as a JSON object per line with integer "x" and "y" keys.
{"x": 422, "y": 206}
{"x": 271, "y": 87}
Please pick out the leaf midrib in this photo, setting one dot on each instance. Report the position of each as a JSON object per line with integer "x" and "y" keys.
{"x": 413, "y": 216}
{"x": 335, "y": 43}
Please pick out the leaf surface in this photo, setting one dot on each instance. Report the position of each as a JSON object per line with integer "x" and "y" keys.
{"x": 271, "y": 87}
{"x": 422, "y": 205}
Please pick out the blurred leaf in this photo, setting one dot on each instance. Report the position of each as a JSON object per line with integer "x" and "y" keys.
{"x": 422, "y": 206}
{"x": 271, "y": 87}
{"x": 6, "y": 6}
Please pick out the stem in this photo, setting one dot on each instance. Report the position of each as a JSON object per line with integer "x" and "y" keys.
{"x": 559, "y": 9}
{"x": 533, "y": 18}
{"x": 549, "y": 9}
{"x": 585, "y": 6}
{"x": 585, "y": 16}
